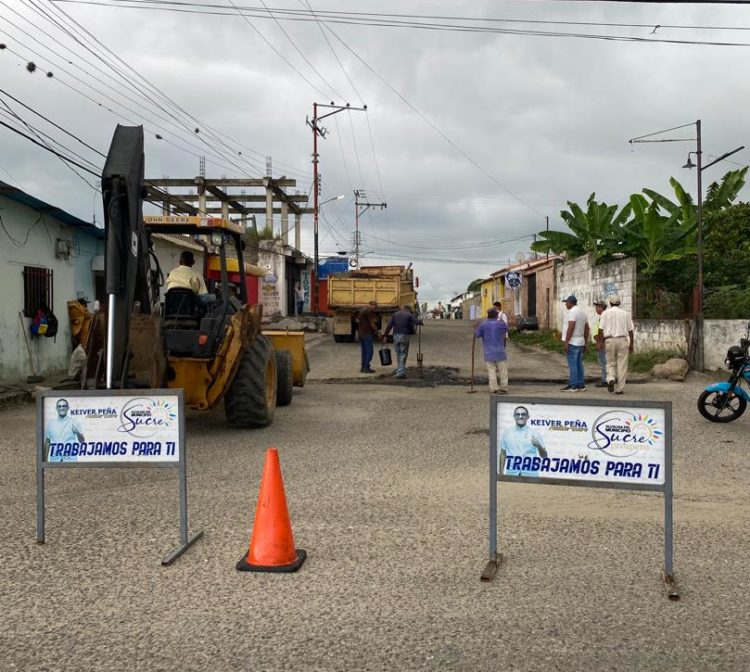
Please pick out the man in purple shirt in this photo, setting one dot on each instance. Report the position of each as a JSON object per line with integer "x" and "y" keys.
{"x": 493, "y": 333}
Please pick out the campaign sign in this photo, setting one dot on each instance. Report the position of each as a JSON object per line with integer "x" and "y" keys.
{"x": 108, "y": 428}
{"x": 591, "y": 443}
{"x": 112, "y": 428}
{"x": 570, "y": 442}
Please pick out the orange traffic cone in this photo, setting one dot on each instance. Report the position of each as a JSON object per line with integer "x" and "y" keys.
{"x": 272, "y": 543}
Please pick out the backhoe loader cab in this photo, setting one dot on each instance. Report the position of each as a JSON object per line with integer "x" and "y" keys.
{"x": 212, "y": 350}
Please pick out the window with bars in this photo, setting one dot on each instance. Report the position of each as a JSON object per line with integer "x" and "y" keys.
{"x": 37, "y": 289}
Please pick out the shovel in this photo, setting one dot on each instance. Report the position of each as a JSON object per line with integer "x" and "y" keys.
{"x": 419, "y": 351}
{"x": 34, "y": 378}
{"x": 473, "y": 343}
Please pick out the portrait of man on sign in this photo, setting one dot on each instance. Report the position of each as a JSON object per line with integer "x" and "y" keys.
{"x": 521, "y": 441}
{"x": 62, "y": 429}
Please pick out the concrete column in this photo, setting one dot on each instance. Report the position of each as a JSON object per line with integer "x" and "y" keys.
{"x": 269, "y": 206}
{"x": 297, "y": 231}
{"x": 284, "y": 222}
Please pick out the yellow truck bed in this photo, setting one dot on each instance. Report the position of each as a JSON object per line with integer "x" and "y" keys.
{"x": 390, "y": 286}
{"x": 358, "y": 292}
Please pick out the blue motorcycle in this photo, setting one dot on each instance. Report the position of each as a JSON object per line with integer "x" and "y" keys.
{"x": 724, "y": 402}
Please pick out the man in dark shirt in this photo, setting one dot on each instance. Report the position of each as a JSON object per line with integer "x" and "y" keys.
{"x": 367, "y": 328}
{"x": 404, "y": 324}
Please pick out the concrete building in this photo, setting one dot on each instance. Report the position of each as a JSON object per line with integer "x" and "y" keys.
{"x": 47, "y": 256}
{"x": 284, "y": 266}
{"x": 529, "y": 290}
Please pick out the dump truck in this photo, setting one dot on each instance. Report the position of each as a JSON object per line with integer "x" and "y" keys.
{"x": 392, "y": 287}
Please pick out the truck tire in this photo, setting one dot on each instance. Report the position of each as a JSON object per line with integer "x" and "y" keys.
{"x": 284, "y": 378}
{"x": 250, "y": 400}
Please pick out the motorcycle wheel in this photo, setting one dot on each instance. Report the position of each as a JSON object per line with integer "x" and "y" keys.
{"x": 721, "y": 406}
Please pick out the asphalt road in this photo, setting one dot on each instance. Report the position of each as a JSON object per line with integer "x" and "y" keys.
{"x": 387, "y": 489}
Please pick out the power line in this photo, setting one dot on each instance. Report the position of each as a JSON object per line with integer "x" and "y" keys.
{"x": 299, "y": 51}
{"x": 49, "y": 149}
{"x": 408, "y": 19}
{"x": 432, "y": 125}
{"x": 275, "y": 50}
{"x": 352, "y": 19}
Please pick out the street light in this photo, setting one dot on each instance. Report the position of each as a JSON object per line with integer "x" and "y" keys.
{"x": 699, "y": 226}
{"x": 699, "y": 215}
{"x": 316, "y": 287}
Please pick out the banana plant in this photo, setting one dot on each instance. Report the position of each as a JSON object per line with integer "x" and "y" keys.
{"x": 718, "y": 196}
{"x": 597, "y": 230}
{"x": 652, "y": 237}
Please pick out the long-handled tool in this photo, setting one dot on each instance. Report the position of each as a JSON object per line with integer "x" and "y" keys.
{"x": 419, "y": 351}
{"x": 473, "y": 344}
{"x": 34, "y": 378}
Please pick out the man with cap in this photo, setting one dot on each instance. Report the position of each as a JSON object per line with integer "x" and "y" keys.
{"x": 617, "y": 329}
{"x": 598, "y": 338}
{"x": 575, "y": 334}
{"x": 493, "y": 333}
{"x": 404, "y": 324}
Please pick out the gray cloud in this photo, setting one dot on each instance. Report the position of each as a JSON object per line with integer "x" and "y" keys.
{"x": 548, "y": 118}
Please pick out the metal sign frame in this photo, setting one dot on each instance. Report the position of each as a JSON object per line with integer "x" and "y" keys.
{"x": 496, "y": 558}
{"x": 42, "y": 464}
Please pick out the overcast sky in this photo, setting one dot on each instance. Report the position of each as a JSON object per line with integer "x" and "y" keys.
{"x": 471, "y": 138}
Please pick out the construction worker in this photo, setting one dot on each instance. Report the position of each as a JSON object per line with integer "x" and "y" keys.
{"x": 367, "y": 329}
{"x": 404, "y": 324}
{"x": 184, "y": 277}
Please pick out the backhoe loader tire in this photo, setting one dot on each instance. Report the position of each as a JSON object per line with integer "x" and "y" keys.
{"x": 284, "y": 379}
{"x": 250, "y": 400}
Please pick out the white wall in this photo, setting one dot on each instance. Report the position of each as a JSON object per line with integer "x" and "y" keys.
{"x": 588, "y": 282}
{"x": 661, "y": 335}
{"x": 34, "y": 246}
{"x": 718, "y": 336}
{"x": 673, "y": 335}
{"x": 272, "y": 286}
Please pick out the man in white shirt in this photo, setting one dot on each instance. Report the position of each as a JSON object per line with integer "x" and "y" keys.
{"x": 502, "y": 316}
{"x": 617, "y": 328}
{"x": 575, "y": 334}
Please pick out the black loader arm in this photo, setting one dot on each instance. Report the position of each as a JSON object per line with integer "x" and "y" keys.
{"x": 126, "y": 254}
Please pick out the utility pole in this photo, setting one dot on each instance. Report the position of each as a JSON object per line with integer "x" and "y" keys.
{"x": 359, "y": 208}
{"x": 547, "y": 218}
{"x": 322, "y": 132}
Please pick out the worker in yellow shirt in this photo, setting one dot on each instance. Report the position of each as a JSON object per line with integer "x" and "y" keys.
{"x": 184, "y": 277}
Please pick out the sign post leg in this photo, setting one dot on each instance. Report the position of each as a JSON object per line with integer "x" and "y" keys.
{"x": 39, "y": 472}
{"x": 670, "y": 585}
{"x": 185, "y": 542}
{"x": 495, "y": 558}
{"x": 39, "y": 502}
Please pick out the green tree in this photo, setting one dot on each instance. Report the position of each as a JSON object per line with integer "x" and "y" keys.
{"x": 475, "y": 285}
{"x": 726, "y": 246}
{"x": 597, "y": 230}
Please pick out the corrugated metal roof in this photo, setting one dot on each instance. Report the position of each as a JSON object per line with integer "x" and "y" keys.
{"x": 15, "y": 194}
